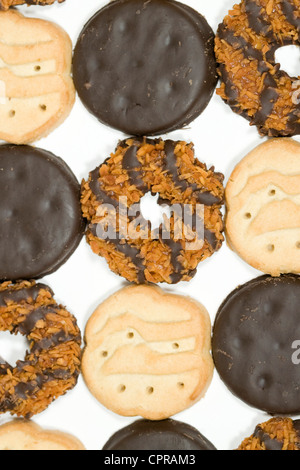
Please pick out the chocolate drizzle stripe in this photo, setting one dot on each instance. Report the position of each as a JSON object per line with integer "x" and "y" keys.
{"x": 170, "y": 164}
{"x": 24, "y": 389}
{"x": 132, "y": 165}
{"x": 270, "y": 444}
{"x": 269, "y": 94}
{"x": 296, "y": 424}
{"x": 102, "y": 196}
{"x": 26, "y": 327}
{"x": 128, "y": 250}
{"x": 256, "y": 19}
{"x": 20, "y": 295}
{"x": 289, "y": 11}
{"x": 54, "y": 340}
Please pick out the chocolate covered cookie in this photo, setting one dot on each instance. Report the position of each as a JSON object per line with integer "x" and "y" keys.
{"x": 255, "y": 338}
{"x": 41, "y": 223}
{"x": 158, "y": 435}
{"x": 275, "y": 434}
{"x": 145, "y": 68}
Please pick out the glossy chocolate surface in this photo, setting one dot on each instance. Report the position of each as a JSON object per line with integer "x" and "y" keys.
{"x": 145, "y": 67}
{"x": 253, "y": 338}
{"x": 41, "y": 223}
{"x": 158, "y": 435}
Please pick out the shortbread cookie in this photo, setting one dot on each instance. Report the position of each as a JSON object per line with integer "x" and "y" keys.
{"x": 25, "y": 435}
{"x": 36, "y": 88}
{"x": 263, "y": 207}
{"x": 256, "y": 343}
{"x": 158, "y": 435}
{"x": 148, "y": 353}
{"x": 6, "y": 4}
{"x": 275, "y": 434}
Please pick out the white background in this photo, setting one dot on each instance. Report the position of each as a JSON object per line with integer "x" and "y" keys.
{"x": 222, "y": 139}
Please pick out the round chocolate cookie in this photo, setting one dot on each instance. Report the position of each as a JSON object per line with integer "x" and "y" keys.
{"x": 41, "y": 223}
{"x": 158, "y": 435}
{"x": 255, "y": 339}
{"x": 145, "y": 68}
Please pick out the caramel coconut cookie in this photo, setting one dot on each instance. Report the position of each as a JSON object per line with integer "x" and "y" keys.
{"x": 275, "y": 434}
{"x": 37, "y": 91}
{"x": 253, "y": 84}
{"x": 52, "y": 364}
{"x": 6, "y": 4}
{"x": 148, "y": 353}
{"x": 23, "y": 435}
{"x": 117, "y": 230}
{"x": 141, "y": 82}
{"x": 263, "y": 210}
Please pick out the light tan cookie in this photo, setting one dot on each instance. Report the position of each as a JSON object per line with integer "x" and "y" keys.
{"x": 5, "y": 4}
{"x": 148, "y": 353}
{"x": 26, "y": 435}
{"x": 36, "y": 88}
{"x": 263, "y": 207}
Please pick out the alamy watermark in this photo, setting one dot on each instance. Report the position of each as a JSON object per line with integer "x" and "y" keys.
{"x": 296, "y": 93}
{"x": 124, "y": 222}
{"x": 296, "y": 354}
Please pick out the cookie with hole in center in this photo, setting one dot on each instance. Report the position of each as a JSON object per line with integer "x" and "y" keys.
{"x": 111, "y": 201}
{"x": 263, "y": 207}
{"x": 148, "y": 353}
{"x": 36, "y": 88}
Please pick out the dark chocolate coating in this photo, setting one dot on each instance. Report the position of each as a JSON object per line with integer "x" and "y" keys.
{"x": 158, "y": 435}
{"x": 145, "y": 67}
{"x": 253, "y": 335}
{"x": 41, "y": 222}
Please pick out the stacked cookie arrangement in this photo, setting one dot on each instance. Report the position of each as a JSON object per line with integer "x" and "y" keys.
{"x": 146, "y": 69}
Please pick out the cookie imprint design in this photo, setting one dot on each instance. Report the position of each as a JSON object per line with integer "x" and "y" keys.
{"x": 148, "y": 353}
{"x": 35, "y": 65}
{"x": 21, "y": 434}
{"x": 263, "y": 207}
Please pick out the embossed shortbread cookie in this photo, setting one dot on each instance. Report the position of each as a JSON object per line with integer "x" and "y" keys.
{"x": 36, "y": 88}
{"x": 263, "y": 207}
{"x": 26, "y": 435}
{"x": 148, "y": 353}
